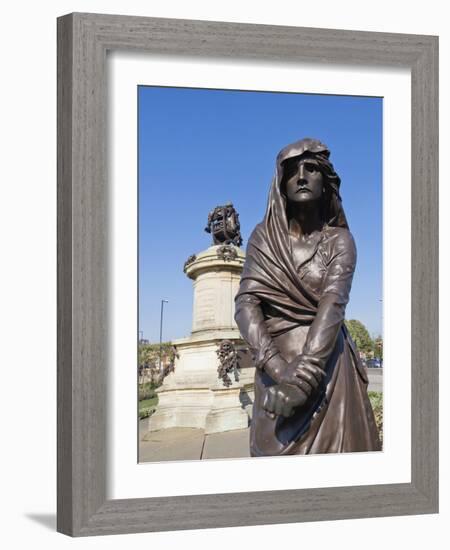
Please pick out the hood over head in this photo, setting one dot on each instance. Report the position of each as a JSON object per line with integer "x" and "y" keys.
{"x": 333, "y": 210}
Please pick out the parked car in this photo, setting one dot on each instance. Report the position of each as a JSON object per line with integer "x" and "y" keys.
{"x": 374, "y": 363}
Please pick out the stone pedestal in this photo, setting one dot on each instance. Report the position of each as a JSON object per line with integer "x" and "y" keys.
{"x": 193, "y": 395}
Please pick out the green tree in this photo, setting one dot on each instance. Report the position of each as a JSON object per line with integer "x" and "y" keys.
{"x": 378, "y": 347}
{"x": 149, "y": 361}
{"x": 360, "y": 335}
{"x": 149, "y": 354}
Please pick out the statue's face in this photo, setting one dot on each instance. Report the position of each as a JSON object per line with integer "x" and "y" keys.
{"x": 217, "y": 220}
{"x": 304, "y": 180}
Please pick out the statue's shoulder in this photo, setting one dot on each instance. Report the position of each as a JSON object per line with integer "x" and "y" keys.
{"x": 257, "y": 240}
{"x": 339, "y": 238}
{"x": 258, "y": 233}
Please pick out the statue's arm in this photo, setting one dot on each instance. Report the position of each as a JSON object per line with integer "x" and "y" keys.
{"x": 287, "y": 393}
{"x": 250, "y": 320}
{"x": 324, "y": 329}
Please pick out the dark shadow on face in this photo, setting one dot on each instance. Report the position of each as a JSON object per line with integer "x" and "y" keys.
{"x": 303, "y": 182}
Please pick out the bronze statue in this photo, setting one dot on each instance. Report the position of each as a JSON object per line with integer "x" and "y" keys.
{"x": 310, "y": 385}
{"x": 223, "y": 223}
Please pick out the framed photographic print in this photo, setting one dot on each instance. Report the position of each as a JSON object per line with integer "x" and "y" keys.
{"x": 197, "y": 392}
{"x": 170, "y": 126}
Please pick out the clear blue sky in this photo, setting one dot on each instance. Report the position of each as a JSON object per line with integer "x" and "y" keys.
{"x": 201, "y": 148}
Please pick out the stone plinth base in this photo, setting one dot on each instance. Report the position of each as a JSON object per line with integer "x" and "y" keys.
{"x": 194, "y": 397}
{"x": 227, "y": 412}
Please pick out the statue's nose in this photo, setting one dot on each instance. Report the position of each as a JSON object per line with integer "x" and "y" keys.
{"x": 301, "y": 172}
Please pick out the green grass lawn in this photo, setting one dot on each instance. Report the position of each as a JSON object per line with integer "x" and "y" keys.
{"x": 147, "y": 406}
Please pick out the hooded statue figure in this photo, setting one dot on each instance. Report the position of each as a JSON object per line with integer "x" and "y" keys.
{"x": 310, "y": 385}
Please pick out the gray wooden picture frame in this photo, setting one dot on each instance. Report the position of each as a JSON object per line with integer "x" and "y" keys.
{"x": 83, "y": 41}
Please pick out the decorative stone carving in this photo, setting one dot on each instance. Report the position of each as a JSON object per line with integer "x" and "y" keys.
{"x": 228, "y": 359}
{"x": 189, "y": 261}
{"x": 227, "y": 252}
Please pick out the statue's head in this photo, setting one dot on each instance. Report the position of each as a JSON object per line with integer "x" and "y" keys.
{"x": 307, "y": 159}
{"x": 306, "y": 176}
{"x": 223, "y": 224}
{"x": 303, "y": 181}
{"x": 226, "y": 346}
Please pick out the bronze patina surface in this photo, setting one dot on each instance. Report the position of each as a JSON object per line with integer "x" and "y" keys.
{"x": 310, "y": 385}
{"x": 223, "y": 224}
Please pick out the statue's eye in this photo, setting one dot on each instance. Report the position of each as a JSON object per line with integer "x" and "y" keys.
{"x": 310, "y": 167}
{"x": 291, "y": 168}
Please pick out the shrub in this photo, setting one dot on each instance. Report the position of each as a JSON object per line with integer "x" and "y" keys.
{"x": 147, "y": 407}
{"x": 145, "y": 413}
{"x": 147, "y": 391}
{"x": 376, "y": 400}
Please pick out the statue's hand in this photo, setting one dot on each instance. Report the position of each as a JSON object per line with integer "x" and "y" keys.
{"x": 282, "y": 372}
{"x": 302, "y": 372}
{"x": 283, "y": 399}
{"x": 308, "y": 372}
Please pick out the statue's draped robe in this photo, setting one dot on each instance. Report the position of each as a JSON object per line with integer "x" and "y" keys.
{"x": 297, "y": 308}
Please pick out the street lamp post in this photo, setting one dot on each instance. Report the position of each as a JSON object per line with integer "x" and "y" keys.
{"x": 161, "y": 370}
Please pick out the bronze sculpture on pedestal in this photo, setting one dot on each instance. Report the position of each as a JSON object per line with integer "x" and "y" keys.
{"x": 310, "y": 386}
{"x": 223, "y": 224}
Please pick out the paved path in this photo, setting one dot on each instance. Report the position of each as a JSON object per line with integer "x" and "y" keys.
{"x": 190, "y": 444}
{"x": 375, "y": 379}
